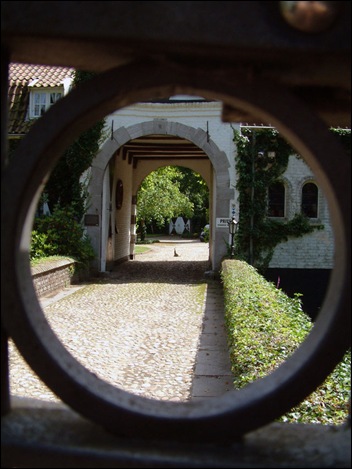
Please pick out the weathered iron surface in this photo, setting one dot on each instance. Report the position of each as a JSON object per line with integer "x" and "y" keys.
{"x": 246, "y": 55}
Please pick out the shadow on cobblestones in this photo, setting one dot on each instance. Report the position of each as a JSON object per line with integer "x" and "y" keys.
{"x": 160, "y": 271}
{"x": 151, "y": 326}
{"x": 159, "y": 264}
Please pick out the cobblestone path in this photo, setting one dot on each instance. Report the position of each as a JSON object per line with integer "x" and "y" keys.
{"x": 138, "y": 328}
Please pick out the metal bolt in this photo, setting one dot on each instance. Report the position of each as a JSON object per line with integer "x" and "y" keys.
{"x": 310, "y": 16}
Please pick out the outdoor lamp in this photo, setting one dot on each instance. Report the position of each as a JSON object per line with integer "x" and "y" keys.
{"x": 232, "y": 230}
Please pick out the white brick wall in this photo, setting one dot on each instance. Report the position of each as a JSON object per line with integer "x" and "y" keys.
{"x": 205, "y": 115}
{"x": 314, "y": 250}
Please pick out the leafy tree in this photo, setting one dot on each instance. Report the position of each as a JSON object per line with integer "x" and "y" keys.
{"x": 195, "y": 188}
{"x": 160, "y": 199}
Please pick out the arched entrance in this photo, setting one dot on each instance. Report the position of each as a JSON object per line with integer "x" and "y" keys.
{"x": 130, "y": 149}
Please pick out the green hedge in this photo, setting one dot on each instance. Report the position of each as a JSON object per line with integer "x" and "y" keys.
{"x": 265, "y": 327}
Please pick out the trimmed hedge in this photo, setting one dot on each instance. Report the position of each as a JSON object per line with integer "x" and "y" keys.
{"x": 264, "y": 328}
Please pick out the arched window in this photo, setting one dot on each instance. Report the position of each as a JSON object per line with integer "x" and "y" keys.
{"x": 276, "y": 200}
{"x": 309, "y": 205}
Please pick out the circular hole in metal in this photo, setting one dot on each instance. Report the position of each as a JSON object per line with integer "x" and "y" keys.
{"x": 237, "y": 412}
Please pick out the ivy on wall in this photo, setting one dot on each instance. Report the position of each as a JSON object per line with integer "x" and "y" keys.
{"x": 262, "y": 158}
{"x": 65, "y": 187}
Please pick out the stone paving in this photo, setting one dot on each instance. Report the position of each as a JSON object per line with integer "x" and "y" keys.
{"x": 152, "y": 326}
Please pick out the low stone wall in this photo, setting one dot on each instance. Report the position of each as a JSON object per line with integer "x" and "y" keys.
{"x": 53, "y": 275}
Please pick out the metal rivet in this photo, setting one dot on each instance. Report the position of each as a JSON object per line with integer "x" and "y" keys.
{"x": 309, "y": 16}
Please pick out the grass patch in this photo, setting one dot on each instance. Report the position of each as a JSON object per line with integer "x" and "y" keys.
{"x": 47, "y": 260}
{"x": 140, "y": 249}
{"x": 264, "y": 328}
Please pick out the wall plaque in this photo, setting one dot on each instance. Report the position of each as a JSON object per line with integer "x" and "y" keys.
{"x": 91, "y": 220}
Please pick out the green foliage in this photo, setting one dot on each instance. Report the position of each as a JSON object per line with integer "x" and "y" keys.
{"x": 42, "y": 261}
{"x": 66, "y": 194}
{"x": 269, "y": 232}
{"x": 141, "y": 230}
{"x": 193, "y": 186}
{"x": 40, "y": 246}
{"x": 329, "y": 403}
{"x": 159, "y": 198}
{"x": 257, "y": 235}
{"x": 170, "y": 192}
{"x": 141, "y": 249}
{"x": 61, "y": 234}
{"x": 206, "y": 234}
{"x": 264, "y": 328}
{"x": 65, "y": 187}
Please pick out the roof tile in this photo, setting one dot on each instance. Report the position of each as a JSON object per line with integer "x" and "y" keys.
{"x": 20, "y": 76}
{"x": 47, "y": 75}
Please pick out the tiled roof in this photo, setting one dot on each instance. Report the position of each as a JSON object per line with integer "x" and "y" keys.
{"x": 46, "y": 75}
{"x": 20, "y": 77}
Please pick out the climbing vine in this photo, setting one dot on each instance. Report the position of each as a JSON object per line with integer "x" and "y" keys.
{"x": 262, "y": 158}
{"x": 65, "y": 187}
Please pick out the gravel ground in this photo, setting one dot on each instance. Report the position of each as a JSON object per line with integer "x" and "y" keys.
{"x": 137, "y": 328}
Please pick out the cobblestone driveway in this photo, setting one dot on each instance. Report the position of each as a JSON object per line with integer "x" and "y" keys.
{"x": 138, "y": 328}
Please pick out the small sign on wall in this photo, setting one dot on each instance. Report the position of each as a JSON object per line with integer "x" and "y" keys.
{"x": 223, "y": 222}
{"x": 91, "y": 220}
